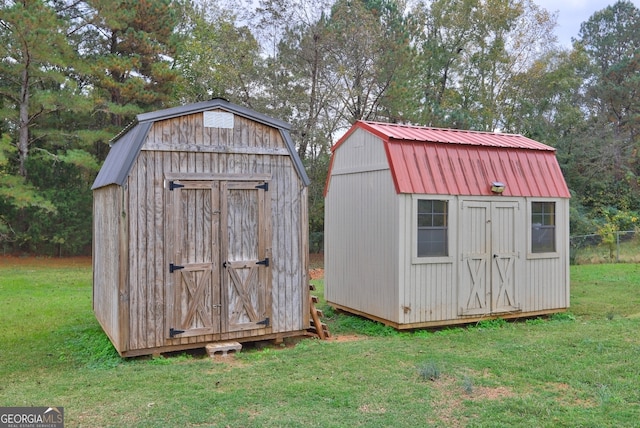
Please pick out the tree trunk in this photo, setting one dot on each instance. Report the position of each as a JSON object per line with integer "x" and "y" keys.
{"x": 23, "y": 129}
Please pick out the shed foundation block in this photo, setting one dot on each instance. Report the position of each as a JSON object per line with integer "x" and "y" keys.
{"x": 222, "y": 348}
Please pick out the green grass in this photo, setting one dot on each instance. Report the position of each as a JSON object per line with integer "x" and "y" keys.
{"x": 569, "y": 370}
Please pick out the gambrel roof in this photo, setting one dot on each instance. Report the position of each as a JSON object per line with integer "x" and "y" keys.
{"x": 425, "y": 160}
{"x": 126, "y": 146}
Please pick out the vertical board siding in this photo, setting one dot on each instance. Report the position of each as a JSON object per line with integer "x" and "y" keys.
{"x": 361, "y": 232}
{"x": 371, "y": 265}
{"x": 150, "y": 250}
{"x": 106, "y": 260}
{"x": 435, "y": 292}
{"x": 426, "y": 292}
{"x": 159, "y": 246}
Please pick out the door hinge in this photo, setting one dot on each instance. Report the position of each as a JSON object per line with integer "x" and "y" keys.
{"x": 173, "y": 185}
{"x": 264, "y": 262}
{"x": 173, "y": 332}
{"x": 264, "y": 186}
{"x": 173, "y": 268}
{"x": 264, "y": 322}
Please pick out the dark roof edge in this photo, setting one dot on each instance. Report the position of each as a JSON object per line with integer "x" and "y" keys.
{"x": 297, "y": 162}
{"x": 214, "y": 103}
{"x": 117, "y": 172}
{"x": 128, "y": 143}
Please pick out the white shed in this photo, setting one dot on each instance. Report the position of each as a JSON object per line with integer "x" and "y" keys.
{"x": 427, "y": 227}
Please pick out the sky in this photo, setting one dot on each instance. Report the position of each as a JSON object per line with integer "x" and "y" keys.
{"x": 572, "y": 13}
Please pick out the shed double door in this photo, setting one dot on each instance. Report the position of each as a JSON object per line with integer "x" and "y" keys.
{"x": 219, "y": 275}
{"x": 490, "y": 265}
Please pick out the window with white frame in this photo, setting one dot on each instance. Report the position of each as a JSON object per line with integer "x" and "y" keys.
{"x": 433, "y": 223}
{"x": 543, "y": 227}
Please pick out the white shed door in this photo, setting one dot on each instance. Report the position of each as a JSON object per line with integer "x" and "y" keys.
{"x": 490, "y": 257}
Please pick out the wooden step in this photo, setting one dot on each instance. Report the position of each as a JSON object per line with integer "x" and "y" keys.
{"x": 316, "y": 326}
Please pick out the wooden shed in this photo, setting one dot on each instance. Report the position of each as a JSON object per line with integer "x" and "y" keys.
{"x": 429, "y": 227}
{"x": 200, "y": 231}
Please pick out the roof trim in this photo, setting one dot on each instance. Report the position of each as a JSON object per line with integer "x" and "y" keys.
{"x": 170, "y": 113}
{"x": 126, "y": 146}
{"x": 424, "y": 160}
{"x": 422, "y": 134}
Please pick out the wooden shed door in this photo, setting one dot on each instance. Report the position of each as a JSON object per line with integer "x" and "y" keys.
{"x": 246, "y": 278}
{"x": 490, "y": 259}
{"x": 219, "y": 271}
{"x": 194, "y": 301}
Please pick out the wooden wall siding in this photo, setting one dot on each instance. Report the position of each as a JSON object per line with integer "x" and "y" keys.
{"x": 187, "y": 134}
{"x": 106, "y": 255}
{"x": 148, "y": 264}
{"x": 548, "y": 277}
{"x": 361, "y": 231}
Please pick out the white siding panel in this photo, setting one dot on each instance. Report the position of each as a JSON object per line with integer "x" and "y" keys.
{"x": 547, "y": 278}
{"x": 361, "y": 233}
{"x": 428, "y": 289}
{"x": 362, "y": 152}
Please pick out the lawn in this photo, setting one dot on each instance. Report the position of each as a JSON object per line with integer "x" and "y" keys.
{"x": 576, "y": 369}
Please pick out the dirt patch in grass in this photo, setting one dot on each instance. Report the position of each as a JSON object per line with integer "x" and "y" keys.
{"x": 316, "y": 260}
{"x": 316, "y": 273}
{"x": 42, "y": 261}
{"x": 450, "y": 395}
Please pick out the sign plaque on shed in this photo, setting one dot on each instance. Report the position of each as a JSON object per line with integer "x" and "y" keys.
{"x": 200, "y": 231}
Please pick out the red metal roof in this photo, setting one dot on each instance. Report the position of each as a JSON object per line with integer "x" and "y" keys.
{"x": 454, "y": 162}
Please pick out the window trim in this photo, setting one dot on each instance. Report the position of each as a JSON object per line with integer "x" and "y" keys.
{"x": 451, "y": 232}
{"x": 548, "y": 254}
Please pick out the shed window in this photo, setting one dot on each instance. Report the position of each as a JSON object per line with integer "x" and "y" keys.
{"x": 543, "y": 227}
{"x": 433, "y": 228}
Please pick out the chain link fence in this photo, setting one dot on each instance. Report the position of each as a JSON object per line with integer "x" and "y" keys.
{"x": 617, "y": 247}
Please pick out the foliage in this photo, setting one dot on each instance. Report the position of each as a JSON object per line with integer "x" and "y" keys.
{"x": 616, "y": 221}
{"x": 217, "y": 56}
{"x": 429, "y": 371}
{"x": 74, "y": 73}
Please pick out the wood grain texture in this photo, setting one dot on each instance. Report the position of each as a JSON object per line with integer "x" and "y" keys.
{"x": 219, "y": 168}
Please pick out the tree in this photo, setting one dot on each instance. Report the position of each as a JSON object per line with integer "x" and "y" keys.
{"x": 129, "y": 46}
{"x": 366, "y": 50}
{"x": 611, "y": 40}
{"x": 217, "y": 58}
{"x": 33, "y": 56}
{"x": 468, "y": 51}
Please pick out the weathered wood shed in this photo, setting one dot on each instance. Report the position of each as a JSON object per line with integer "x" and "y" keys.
{"x": 427, "y": 227}
{"x": 200, "y": 231}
